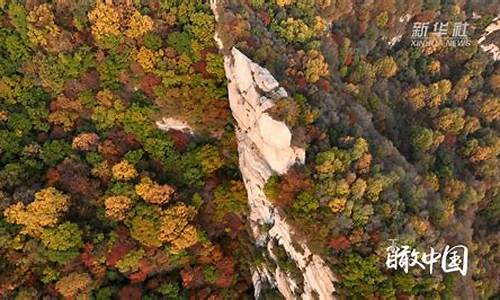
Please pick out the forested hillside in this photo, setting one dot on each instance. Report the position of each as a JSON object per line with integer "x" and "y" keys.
{"x": 96, "y": 202}
{"x": 95, "y": 199}
{"x": 402, "y": 142}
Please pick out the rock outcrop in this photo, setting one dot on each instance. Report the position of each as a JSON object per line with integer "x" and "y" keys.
{"x": 264, "y": 147}
{"x": 489, "y": 40}
{"x": 167, "y": 124}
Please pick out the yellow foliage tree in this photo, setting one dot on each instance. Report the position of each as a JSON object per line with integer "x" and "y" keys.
{"x": 85, "y": 141}
{"x": 138, "y": 25}
{"x": 44, "y": 211}
{"x": 420, "y": 224}
{"x": 105, "y": 19}
{"x": 124, "y": 171}
{"x": 175, "y": 228}
{"x": 282, "y": 3}
{"x": 358, "y": 188}
{"x": 187, "y": 238}
{"x": 315, "y": 66}
{"x": 153, "y": 192}
{"x": 108, "y": 20}
{"x": 319, "y": 25}
{"x": 495, "y": 82}
{"x": 117, "y": 207}
{"x": 416, "y": 97}
{"x": 430, "y": 96}
{"x": 490, "y": 109}
{"x": 147, "y": 58}
{"x": 74, "y": 284}
{"x": 434, "y": 66}
{"x": 41, "y": 25}
{"x": 386, "y": 67}
{"x": 101, "y": 170}
{"x": 337, "y": 205}
{"x": 106, "y": 98}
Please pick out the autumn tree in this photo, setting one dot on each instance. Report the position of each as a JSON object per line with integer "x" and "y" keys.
{"x": 431, "y": 96}
{"x": 74, "y": 284}
{"x": 63, "y": 237}
{"x": 490, "y": 109}
{"x": 117, "y": 207}
{"x": 105, "y": 21}
{"x": 386, "y": 67}
{"x": 138, "y": 25}
{"x": 153, "y": 192}
{"x": 65, "y": 112}
{"x": 44, "y": 211}
{"x": 124, "y": 171}
{"x": 85, "y": 142}
{"x": 43, "y": 31}
{"x": 175, "y": 227}
{"x": 315, "y": 66}
{"x": 450, "y": 120}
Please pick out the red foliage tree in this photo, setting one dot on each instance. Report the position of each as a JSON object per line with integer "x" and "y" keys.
{"x": 130, "y": 292}
{"x": 117, "y": 144}
{"x": 143, "y": 272}
{"x": 148, "y": 84}
{"x": 181, "y": 139}
{"x": 291, "y": 183}
{"x": 339, "y": 243}
{"x": 192, "y": 277}
{"x": 98, "y": 271}
{"x": 73, "y": 176}
{"x": 120, "y": 248}
{"x": 225, "y": 269}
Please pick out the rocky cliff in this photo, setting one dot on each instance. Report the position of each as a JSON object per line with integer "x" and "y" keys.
{"x": 489, "y": 40}
{"x": 264, "y": 147}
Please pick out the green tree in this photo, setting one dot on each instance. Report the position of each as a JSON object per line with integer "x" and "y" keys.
{"x": 450, "y": 120}
{"x": 294, "y": 30}
{"x": 424, "y": 139}
{"x": 305, "y": 204}
{"x": 130, "y": 263}
{"x": 63, "y": 237}
{"x": 54, "y": 151}
{"x": 361, "y": 276}
{"x": 386, "y": 67}
{"x": 210, "y": 158}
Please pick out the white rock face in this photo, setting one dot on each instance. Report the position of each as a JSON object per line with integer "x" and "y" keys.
{"x": 491, "y": 48}
{"x": 271, "y": 138}
{"x": 264, "y": 147}
{"x": 171, "y": 123}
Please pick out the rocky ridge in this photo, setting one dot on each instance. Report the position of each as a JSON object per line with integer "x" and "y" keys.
{"x": 264, "y": 147}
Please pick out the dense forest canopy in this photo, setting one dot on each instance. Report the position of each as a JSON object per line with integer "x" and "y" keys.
{"x": 96, "y": 202}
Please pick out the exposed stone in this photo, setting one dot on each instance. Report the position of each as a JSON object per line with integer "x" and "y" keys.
{"x": 264, "y": 147}
{"x": 489, "y": 40}
{"x": 171, "y": 123}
